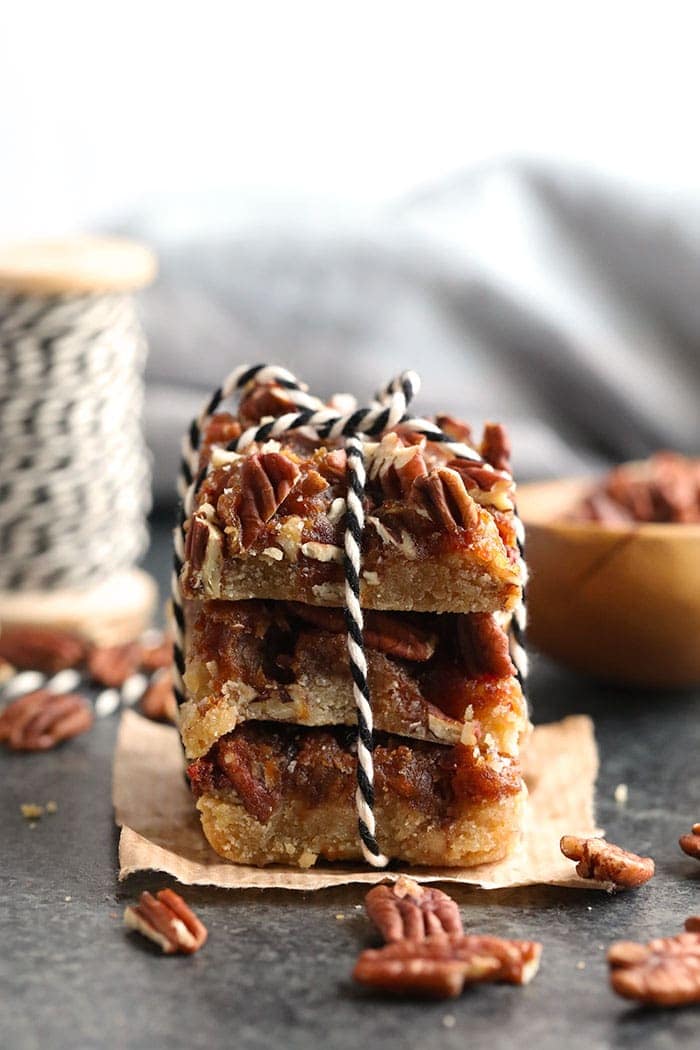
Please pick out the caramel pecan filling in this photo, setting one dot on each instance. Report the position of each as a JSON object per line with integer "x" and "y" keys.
{"x": 262, "y": 764}
{"x": 453, "y": 662}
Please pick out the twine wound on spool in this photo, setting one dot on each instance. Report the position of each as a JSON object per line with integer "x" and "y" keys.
{"x": 74, "y": 470}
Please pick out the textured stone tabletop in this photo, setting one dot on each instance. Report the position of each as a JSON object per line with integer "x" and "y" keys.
{"x": 275, "y": 972}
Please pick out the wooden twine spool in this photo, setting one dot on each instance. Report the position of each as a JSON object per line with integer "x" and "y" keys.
{"x": 74, "y": 471}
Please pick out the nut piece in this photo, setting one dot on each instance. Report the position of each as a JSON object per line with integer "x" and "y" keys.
{"x": 443, "y": 494}
{"x": 156, "y": 650}
{"x": 158, "y": 702}
{"x": 440, "y": 965}
{"x": 483, "y": 646}
{"x": 664, "y": 972}
{"x": 389, "y": 633}
{"x": 605, "y": 862}
{"x": 111, "y": 665}
{"x": 690, "y": 843}
{"x": 455, "y": 429}
{"x": 266, "y": 481}
{"x": 45, "y": 649}
{"x": 40, "y": 720}
{"x": 495, "y": 446}
{"x": 692, "y": 924}
{"x": 167, "y": 921}
{"x": 403, "y": 909}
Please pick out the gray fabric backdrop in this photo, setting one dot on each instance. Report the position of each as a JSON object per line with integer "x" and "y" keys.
{"x": 567, "y": 307}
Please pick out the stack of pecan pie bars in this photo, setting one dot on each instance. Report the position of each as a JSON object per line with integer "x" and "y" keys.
{"x": 269, "y": 720}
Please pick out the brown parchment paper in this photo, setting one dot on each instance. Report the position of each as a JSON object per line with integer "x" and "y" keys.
{"x": 160, "y": 827}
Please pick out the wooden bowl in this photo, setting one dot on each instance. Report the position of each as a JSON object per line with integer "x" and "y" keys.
{"x": 620, "y": 602}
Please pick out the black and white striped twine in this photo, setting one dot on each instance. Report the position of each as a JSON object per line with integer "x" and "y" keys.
{"x": 74, "y": 472}
{"x": 387, "y": 411}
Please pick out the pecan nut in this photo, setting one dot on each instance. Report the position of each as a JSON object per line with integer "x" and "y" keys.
{"x": 40, "y": 720}
{"x": 443, "y": 494}
{"x": 386, "y": 633}
{"x": 439, "y": 966}
{"x": 158, "y": 702}
{"x": 263, "y": 401}
{"x": 495, "y": 446}
{"x": 483, "y": 646}
{"x": 692, "y": 924}
{"x": 664, "y": 488}
{"x": 46, "y": 649}
{"x": 156, "y": 651}
{"x": 7, "y": 671}
{"x": 111, "y": 665}
{"x": 664, "y": 972}
{"x": 455, "y": 429}
{"x": 690, "y": 843}
{"x": 266, "y": 481}
{"x": 605, "y": 862}
{"x": 395, "y": 466}
{"x": 167, "y": 921}
{"x": 405, "y": 910}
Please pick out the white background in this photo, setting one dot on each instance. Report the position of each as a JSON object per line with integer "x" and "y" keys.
{"x": 112, "y": 111}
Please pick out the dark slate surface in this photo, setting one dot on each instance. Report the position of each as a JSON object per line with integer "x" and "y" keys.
{"x": 276, "y": 969}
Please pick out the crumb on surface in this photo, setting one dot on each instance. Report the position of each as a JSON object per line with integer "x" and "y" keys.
{"x": 581, "y": 965}
{"x": 31, "y": 811}
{"x": 621, "y": 794}
{"x": 51, "y": 806}
{"x": 340, "y": 916}
{"x": 68, "y": 899}
{"x": 449, "y": 1021}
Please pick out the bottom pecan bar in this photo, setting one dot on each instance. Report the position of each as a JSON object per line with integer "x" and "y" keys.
{"x": 271, "y": 793}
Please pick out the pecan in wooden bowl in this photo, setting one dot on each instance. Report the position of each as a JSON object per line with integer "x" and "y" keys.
{"x": 614, "y": 586}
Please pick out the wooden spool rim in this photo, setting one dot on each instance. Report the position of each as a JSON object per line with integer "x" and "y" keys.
{"x": 76, "y": 265}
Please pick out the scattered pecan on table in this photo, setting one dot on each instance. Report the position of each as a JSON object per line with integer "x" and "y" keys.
{"x": 167, "y": 921}
{"x": 45, "y": 649}
{"x": 605, "y": 862}
{"x": 156, "y": 650}
{"x": 690, "y": 843}
{"x": 7, "y": 671}
{"x": 664, "y": 972}
{"x": 404, "y": 910}
{"x": 439, "y": 966}
{"x": 111, "y": 665}
{"x": 158, "y": 702}
{"x": 40, "y": 720}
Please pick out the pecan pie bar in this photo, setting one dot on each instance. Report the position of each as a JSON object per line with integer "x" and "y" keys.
{"x": 443, "y": 678}
{"x": 283, "y": 794}
{"x": 269, "y": 718}
{"x": 268, "y": 523}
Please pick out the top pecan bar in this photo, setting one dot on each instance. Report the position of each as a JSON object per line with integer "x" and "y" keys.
{"x": 268, "y": 523}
